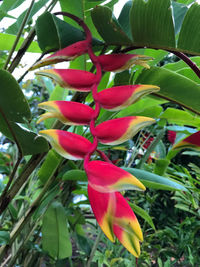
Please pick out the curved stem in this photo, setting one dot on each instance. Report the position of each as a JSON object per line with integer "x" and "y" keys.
{"x": 181, "y": 55}
{"x": 188, "y": 61}
{"x": 79, "y": 21}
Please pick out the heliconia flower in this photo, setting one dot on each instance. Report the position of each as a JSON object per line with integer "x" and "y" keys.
{"x": 68, "y": 53}
{"x": 121, "y": 62}
{"x": 103, "y": 206}
{"x": 115, "y": 217}
{"x": 68, "y": 112}
{"x": 192, "y": 141}
{"x": 78, "y": 80}
{"x": 69, "y": 145}
{"x": 106, "y": 177}
{"x": 117, "y": 131}
{"x": 119, "y": 97}
{"x": 126, "y": 226}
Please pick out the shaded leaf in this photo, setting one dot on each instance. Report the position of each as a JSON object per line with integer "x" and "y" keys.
{"x": 62, "y": 33}
{"x": 12, "y": 101}
{"x": 4, "y": 237}
{"x": 55, "y": 235}
{"x": 29, "y": 142}
{"x": 74, "y": 175}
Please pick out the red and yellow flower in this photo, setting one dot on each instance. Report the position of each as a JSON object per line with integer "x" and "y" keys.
{"x": 105, "y": 180}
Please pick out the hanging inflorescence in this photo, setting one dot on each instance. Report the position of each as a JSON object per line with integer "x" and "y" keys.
{"x": 105, "y": 180}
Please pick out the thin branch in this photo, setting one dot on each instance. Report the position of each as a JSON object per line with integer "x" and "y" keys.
{"x": 19, "y": 34}
{"x": 94, "y": 248}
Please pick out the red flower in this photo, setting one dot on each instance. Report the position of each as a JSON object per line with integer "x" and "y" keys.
{"x": 171, "y": 136}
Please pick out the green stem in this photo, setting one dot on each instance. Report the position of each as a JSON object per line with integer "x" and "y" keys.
{"x": 19, "y": 34}
{"x": 151, "y": 148}
{"x": 28, "y": 169}
{"x": 25, "y": 219}
{"x": 94, "y": 248}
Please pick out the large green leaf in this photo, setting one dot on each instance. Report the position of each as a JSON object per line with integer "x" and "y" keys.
{"x": 7, "y": 41}
{"x": 12, "y": 101}
{"x": 152, "y": 24}
{"x": 155, "y": 181}
{"x": 30, "y": 143}
{"x": 55, "y": 235}
{"x": 108, "y": 27}
{"x": 173, "y": 86}
{"x": 189, "y": 38}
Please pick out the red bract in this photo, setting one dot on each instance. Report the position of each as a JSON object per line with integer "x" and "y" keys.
{"x": 121, "y": 62}
{"x": 69, "y": 145}
{"x": 171, "y": 136}
{"x": 68, "y": 53}
{"x": 119, "y": 97}
{"x": 68, "y": 112}
{"x": 120, "y": 130}
{"x": 78, "y": 80}
{"x": 192, "y": 141}
{"x": 115, "y": 217}
{"x": 106, "y": 177}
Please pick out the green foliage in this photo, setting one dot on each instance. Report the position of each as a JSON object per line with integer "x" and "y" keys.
{"x": 173, "y": 86}
{"x": 55, "y": 235}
